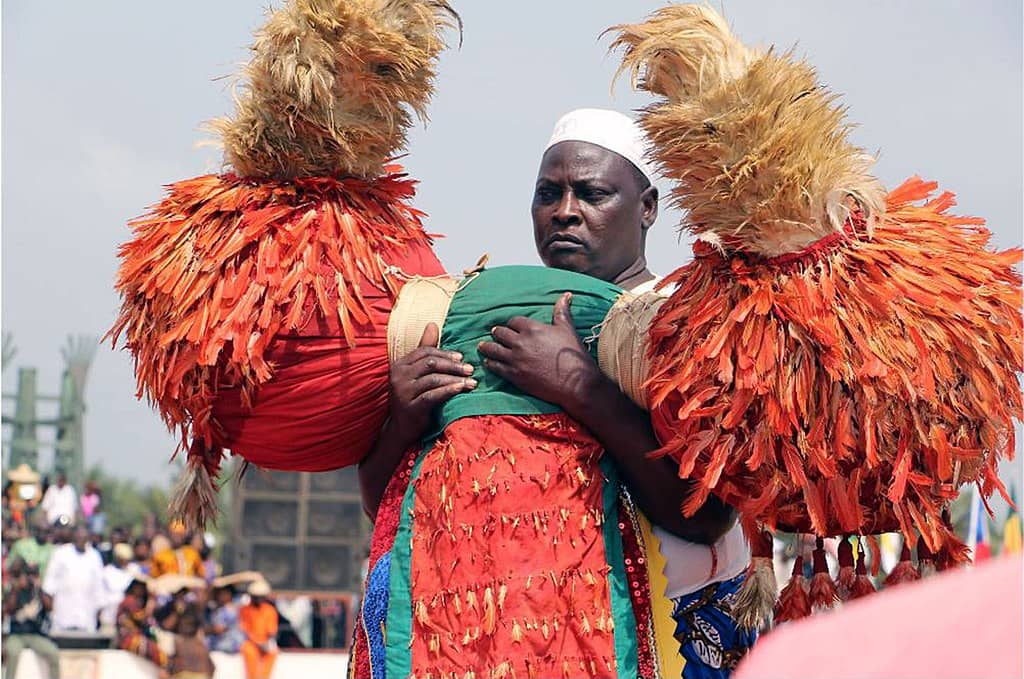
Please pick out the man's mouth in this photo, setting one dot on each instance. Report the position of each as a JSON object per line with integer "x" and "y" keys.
{"x": 563, "y": 242}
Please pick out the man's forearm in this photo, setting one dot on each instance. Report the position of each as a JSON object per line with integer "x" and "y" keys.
{"x": 379, "y": 466}
{"x": 625, "y": 432}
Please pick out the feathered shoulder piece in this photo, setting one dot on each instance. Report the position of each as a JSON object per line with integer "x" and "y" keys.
{"x": 306, "y": 238}
{"x": 834, "y": 360}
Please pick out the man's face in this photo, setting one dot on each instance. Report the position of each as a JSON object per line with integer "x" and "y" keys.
{"x": 81, "y": 537}
{"x": 61, "y": 480}
{"x": 589, "y": 211}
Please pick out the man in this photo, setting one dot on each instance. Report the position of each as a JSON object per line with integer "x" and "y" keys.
{"x": 181, "y": 557}
{"x": 25, "y": 607}
{"x": 593, "y": 205}
{"x": 258, "y": 622}
{"x": 35, "y": 549}
{"x": 74, "y": 579}
{"x": 116, "y": 578}
{"x": 141, "y": 563}
{"x": 60, "y": 500}
{"x": 136, "y": 631}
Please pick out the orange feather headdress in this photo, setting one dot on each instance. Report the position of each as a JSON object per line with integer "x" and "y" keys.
{"x": 255, "y": 302}
{"x": 835, "y": 360}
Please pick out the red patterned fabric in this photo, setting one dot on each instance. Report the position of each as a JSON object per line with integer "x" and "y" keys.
{"x": 512, "y": 573}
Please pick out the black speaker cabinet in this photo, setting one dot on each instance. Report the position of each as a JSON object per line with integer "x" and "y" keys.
{"x": 305, "y": 532}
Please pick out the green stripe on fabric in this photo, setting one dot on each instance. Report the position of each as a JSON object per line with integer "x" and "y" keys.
{"x": 491, "y": 298}
{"x": 398, "y": 628}
{"x": 626, "y": 654}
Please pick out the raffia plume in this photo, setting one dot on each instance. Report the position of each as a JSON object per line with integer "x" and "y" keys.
{"x": 194, "y": 499}
{"x": 757, "y": 150}
{"x": 755, "y": 600}
{"x": 331, "y": 86}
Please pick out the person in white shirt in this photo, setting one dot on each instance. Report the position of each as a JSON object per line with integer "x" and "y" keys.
{"x": 74, "y": 579}
{"x": 117, "y": 576}
{"x": 60, "y": 500}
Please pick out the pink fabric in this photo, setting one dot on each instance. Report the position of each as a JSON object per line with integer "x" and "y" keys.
{"x": 89, "y": 504}
{"x": 962, "y": 623}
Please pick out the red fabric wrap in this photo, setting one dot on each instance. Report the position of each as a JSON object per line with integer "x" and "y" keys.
{"x": 326, "y": 401}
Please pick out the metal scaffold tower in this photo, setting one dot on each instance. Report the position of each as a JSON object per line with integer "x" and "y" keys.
{"x": 22, "y": 444}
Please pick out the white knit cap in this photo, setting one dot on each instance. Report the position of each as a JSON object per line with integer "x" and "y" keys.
{"x": 608, "y": 129}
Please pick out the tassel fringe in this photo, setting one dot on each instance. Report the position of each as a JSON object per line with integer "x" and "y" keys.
{"x": 794, "y": 601}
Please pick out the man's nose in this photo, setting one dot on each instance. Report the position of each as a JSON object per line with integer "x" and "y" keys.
{"x": 568, "y": 209}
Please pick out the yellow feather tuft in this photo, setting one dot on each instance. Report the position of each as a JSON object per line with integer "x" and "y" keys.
{"x": 330, "y": 85}
{"x": 757, "y": 149}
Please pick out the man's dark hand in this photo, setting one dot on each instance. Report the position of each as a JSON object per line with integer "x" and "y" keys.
{"x": 423, "y": 380}
{"x": 547, "y": 361}
{"x": 419, "y": 383}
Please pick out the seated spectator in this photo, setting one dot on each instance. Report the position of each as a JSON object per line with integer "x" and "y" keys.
{"x": 224, "y": 633}
{"x": 191, "y": 659}
{"x": 25, "y": 608}
{"x": 60, "y": 501}
{"x": 258, "y": 620}
{"x": 116, "y": 578}
{"x": 74, "y": 579}
{"x": 179, "y": 557}
{"x": 135, "y": 628}
{"x": 169, "y": 613}
{"x": 35, "y": 549}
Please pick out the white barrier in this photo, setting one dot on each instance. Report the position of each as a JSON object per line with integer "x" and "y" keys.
{"x": 123, "y": 665}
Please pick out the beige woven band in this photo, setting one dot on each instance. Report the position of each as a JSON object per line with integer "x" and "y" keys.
{"x": 420, "y": 302}
{"x": 622, "y": 351}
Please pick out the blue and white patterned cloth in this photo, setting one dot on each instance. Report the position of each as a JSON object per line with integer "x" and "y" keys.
{"x": 709, "y": 638}
{"x": 375, "y": 613}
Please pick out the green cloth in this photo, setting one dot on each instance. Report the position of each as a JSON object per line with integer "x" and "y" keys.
{"x": 31, "y": 552}
{"x": 626, "y": 651}
{"x": 398, "y": 626}
{"x": 498, "y": 294}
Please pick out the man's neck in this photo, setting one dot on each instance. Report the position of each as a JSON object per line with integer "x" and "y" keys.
{"x": 635, "y": 274}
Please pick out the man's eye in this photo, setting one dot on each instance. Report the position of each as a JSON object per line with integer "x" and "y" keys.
{"x": 546, "y": 195}
{"x": 594, "y": 195}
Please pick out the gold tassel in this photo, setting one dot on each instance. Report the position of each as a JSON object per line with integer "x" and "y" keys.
{"x": 490, "y": 617}
{"x": 517, "y": 632}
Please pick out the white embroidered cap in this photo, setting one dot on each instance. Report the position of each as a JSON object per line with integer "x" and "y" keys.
{"x": 608, "y": 129}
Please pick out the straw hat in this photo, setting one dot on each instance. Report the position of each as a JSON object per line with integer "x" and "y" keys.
{"x": 172, "y": 583}
{"x": 237, "y": 579}
{"x": 123, "y": 551}
{"x": 259, "y": 588}
{"x": 23, "y": 474}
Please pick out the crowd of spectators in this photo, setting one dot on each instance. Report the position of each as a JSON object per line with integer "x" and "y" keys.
{"x": 158, "y": 593}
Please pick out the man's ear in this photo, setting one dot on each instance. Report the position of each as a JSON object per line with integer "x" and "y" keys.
{"x": 649, "y": 202}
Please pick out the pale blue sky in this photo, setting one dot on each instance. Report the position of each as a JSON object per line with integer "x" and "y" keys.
{"x": 102, "y": 104}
